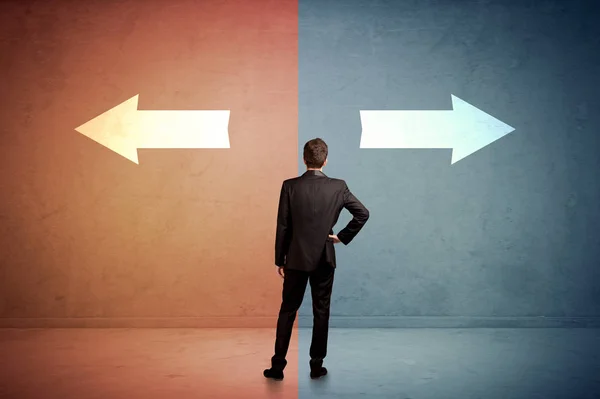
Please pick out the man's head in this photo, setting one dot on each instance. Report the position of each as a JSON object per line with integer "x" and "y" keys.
{"x": 315, "y": 154}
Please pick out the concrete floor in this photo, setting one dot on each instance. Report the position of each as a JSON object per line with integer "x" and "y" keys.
{"x": 363, "y": 363}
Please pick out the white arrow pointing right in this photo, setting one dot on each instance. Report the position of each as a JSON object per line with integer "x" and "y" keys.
{"x": 465, "y": 129}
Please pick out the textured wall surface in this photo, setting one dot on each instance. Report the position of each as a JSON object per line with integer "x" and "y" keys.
{"x": 84, "y": 232}
{"x": 509, "y": 231}
{"x": 186, "y": 237}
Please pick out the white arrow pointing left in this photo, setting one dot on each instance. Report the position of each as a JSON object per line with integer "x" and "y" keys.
{"x": 124, "y": 129}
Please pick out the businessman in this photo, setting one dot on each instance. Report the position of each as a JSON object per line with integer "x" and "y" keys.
{"x": 309, "y": 207}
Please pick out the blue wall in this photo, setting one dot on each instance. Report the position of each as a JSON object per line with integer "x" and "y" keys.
{"x": 509, "y": 231}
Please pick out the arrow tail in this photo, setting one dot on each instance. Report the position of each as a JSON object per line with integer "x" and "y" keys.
{"x": 183, "y": 129}
{"x": 406, "y": 129}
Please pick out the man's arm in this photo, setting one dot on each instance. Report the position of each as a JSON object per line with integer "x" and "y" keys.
{"x": 360, "y": 216}
{"x": 284, "y": 227}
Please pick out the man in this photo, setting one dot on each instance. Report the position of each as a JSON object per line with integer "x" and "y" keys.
{"x": 309, "y": 207}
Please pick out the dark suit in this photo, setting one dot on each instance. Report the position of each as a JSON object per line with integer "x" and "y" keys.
{"x": 309, "y": 207}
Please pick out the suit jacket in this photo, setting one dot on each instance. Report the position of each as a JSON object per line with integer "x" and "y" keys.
{"x": 309, "y": 207}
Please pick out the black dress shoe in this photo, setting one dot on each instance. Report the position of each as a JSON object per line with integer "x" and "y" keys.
{"x": 318, "y": 373}
{"x": 277, "y": 375}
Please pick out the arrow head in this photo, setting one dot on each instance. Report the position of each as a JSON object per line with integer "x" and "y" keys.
{"x": 474, "y": 129}
{"x": 116, "y": 129}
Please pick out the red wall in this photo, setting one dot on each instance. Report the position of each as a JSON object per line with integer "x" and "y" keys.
{"x": 185, "y": 238}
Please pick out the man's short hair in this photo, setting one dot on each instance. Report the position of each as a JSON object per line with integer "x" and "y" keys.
{"x": 315, "y": 153}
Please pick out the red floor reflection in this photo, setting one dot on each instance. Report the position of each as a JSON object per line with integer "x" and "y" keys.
{"x": 142, "y": 363}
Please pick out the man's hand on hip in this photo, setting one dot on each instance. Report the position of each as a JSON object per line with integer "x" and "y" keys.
{"x": 335, "y": 238}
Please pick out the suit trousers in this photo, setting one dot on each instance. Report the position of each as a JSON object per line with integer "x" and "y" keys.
{"x": 294, "y": 286}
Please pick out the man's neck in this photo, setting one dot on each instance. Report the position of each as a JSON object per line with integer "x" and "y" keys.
{"x": 320, "y": 170}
